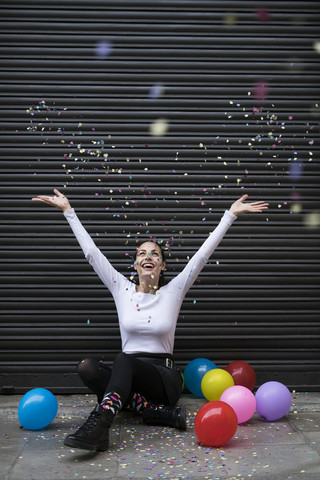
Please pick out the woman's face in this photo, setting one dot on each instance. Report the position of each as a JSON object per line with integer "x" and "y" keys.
{"x": 149, "y": 261}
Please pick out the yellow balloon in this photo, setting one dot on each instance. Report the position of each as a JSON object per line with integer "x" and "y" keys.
{"x": 215, "y": 382}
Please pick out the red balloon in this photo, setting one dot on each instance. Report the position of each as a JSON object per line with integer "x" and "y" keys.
{"x": 242, "y": 374}
{"x": 215, "y": 423}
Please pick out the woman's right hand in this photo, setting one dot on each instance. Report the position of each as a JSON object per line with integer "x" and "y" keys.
{"x": 59, "y": 200}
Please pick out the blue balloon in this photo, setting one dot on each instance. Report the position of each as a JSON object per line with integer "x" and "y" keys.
{"x": 194, "y": 372}
{"x": 37, "y": 409}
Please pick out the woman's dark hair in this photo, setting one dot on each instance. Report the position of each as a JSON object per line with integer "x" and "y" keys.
{"x": 162, "y": 280}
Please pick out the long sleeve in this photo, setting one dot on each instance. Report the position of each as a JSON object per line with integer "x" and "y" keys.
{"x": 187, "y": 277}
{"x": 101, "y": 265}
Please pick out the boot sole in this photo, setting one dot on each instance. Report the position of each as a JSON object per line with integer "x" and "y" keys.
{"x": 73, "y": 442}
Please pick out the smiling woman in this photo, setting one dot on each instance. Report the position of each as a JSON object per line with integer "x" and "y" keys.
{"x": 150, "y": 264}
{"x": 143, "y": 377}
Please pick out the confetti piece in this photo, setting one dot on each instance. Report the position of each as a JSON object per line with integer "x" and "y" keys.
{"x": 159, "y": 127}
{"x": 103, "y": 49}
{"x": 230, "y": 19}
{"x": 263, "y": 15}
{"x": 261, "y": 91}
{"x": 312, "y": 220}
{"x": 316, "y": 46}
{"x": 156, "y": 90}
{"x": 295, "y": 171}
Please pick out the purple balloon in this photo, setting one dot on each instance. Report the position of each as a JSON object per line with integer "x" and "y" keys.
{"x": 273, "y": 401}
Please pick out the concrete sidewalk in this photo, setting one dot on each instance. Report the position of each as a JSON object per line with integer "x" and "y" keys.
{"x": 281, "y": 450}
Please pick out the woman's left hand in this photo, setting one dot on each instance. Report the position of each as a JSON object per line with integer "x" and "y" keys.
{"x": 238, "y": 207}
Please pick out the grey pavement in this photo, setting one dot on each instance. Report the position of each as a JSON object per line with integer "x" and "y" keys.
{"x": 288, "y": 449}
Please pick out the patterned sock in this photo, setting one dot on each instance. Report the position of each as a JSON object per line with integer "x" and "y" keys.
{"x": 139, "y": 403}
{"x": 111, "y": 401}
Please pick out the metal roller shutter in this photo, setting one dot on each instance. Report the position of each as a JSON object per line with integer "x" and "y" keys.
{"x": 231, "y": 91}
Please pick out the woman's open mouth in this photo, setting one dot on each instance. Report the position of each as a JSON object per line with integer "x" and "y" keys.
{"x": 148, "y": 266}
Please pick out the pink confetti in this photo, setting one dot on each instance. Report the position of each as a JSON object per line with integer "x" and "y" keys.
{"x": 263, "y": 15}
{"x": 261, "y": 90}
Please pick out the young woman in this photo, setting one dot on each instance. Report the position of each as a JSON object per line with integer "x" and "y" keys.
{"x": 143, "y": 377}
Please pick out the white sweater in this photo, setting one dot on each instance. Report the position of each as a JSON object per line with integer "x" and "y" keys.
{"x": 147, "y": 321}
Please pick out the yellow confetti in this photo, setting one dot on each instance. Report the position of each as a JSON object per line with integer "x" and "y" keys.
{"x": 316, "y": 46}
{"x": 296, "y": 207}
{"x": 312, "y": 220}
{"x": 159, "y": 127}
{"x": 229, "y": 20}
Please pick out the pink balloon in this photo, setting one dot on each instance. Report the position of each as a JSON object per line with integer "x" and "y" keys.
{"x": 242, "y": 400}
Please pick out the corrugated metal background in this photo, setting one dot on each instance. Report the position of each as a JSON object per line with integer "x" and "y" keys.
{"x": 234, "y": 87}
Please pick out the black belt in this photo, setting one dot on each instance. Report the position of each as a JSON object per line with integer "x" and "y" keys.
{"x": 156, "y": 360}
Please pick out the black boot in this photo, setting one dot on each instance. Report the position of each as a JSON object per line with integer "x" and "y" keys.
{"x": 166, "y": 416}
{"x": 94, "y": 433}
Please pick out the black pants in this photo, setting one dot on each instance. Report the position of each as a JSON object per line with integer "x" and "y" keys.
{"x": 128, "y": 375}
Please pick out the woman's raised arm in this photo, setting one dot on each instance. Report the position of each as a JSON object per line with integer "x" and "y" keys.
{"x": 109, "y": 276}
{"x": 238, "y": 207}
{"x": 186, "y": 278}
{"x": 58, "y": 200}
